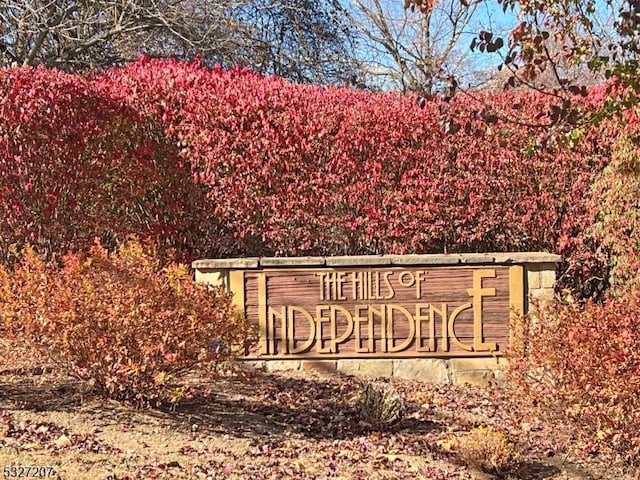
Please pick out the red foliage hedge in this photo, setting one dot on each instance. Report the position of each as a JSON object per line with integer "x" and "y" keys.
{"x": 580, "y": 362}
{"x": 288, "y": 169}
{"x": 118, "y": 320}
{"x": 298, "y": 170}
{"x": 76, "y": 164}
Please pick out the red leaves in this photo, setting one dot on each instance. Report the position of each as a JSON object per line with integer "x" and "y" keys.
{"x": 588, "y": 353}
{"x": 228, "y": 163}
{"x": 76, "y": 163}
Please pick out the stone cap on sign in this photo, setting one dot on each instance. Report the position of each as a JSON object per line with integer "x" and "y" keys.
{"x": 378, "y": 260}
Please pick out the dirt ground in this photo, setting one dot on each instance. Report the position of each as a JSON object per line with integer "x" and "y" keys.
{"x": 272, "y": 426}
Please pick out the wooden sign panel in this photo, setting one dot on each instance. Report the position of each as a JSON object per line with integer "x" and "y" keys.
{"x": 380, "y": 312}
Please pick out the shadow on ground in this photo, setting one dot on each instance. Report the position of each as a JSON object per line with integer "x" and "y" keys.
{"x": 316, "y": 408}
{"x": 263, "y": 408}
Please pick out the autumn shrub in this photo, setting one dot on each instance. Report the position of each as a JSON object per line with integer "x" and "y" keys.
{"x": 617, "y": 227}
{"x": 578, "y": 362}
{"x": 119, "y": 321}
{"x": 488, "y": 450}
{"x": 181, "y": 152}
{"x": 305, "y": 170}
{"x": 380, "y": 405}
{"x": 76, "y": 164}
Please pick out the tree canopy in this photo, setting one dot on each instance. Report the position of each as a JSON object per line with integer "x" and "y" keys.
{"x": 302, "y": 40}
{"x": 553, "y": 34}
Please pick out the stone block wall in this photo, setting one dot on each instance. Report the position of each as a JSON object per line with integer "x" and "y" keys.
{"x": 474, "y": 371}
{"x": 541, "y": 279}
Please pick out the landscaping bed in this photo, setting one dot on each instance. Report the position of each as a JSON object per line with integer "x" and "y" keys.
{"x": 294, "y": 425}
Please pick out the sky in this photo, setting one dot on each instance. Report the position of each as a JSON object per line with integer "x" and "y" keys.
{"x": 406, "y": 28}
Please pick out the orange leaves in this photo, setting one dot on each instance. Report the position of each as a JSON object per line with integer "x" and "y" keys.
{"x": 115, "y": 319}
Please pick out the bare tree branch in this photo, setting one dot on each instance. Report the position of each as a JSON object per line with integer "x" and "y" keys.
{"x": 304, "y": 40}
{"x": 417, "y": 51}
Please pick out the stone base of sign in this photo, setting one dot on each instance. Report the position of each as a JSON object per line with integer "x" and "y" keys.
{"x": 424, "y": 369}
{"x": 541, "y": 278}
{"x": 368, "y": 368}
{"x": 328, "y": 366}
{"x": 477, "y": 371}
{"x": 459, "y": 371}
{"x": 279, "y": 365}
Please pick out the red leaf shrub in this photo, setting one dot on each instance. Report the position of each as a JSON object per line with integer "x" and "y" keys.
{"x": 303, "y": 170}
{"x": 117, "y": 320}
{"x": 76, "y": 164}
{"x": 184, "y": 154}
{"x": 617, "y": 229}
{"x": 579, "y": 362}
